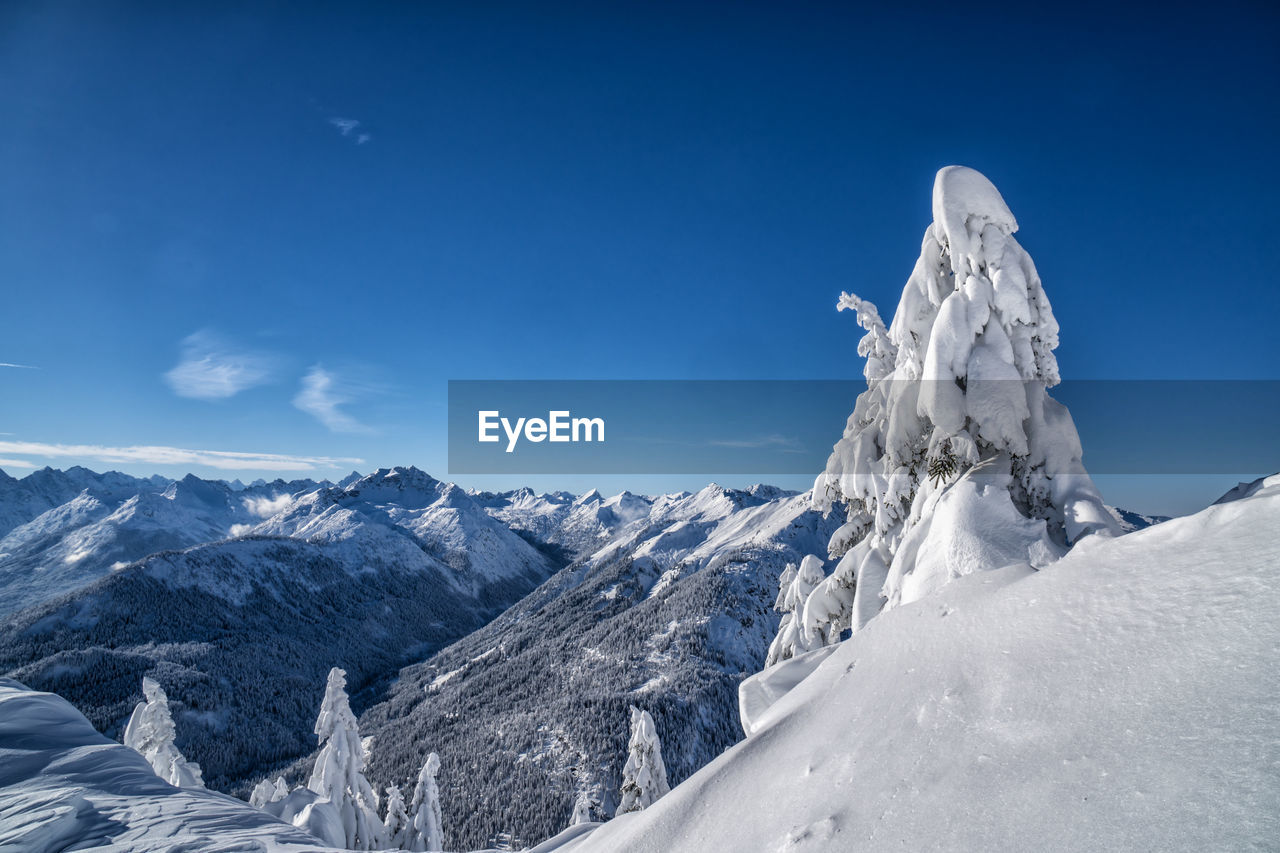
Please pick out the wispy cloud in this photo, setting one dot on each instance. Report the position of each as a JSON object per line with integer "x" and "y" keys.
{"x": 321, "y": 396}
{"x": 779, "y": 442}
{"x": 214, "y": 369}
{"x": 347, "y": 127}
{"x": 160, "y": 455}
{"x": 19, "y": 366}
{"x": 16, "y": 463}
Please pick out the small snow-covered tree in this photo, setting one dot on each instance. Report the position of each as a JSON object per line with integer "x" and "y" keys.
{"x": 426, "y": 829}
{"x": 794, "y": 588}
{"x": 644, "y": 778}
{"x": 338, "y": 775}
{"x": 582, "y": 807}
{"x": 395, "y": 826}
{"x": 955, "y": 458}
{"x": 151, "y": 731}
{"x": 267, "y": 791}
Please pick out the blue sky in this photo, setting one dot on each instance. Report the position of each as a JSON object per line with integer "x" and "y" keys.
{"x": 199, "y": 250}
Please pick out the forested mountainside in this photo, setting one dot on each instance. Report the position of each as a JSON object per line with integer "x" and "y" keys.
{"x": 530, "y": 713}
{"x": 241, "y": 632}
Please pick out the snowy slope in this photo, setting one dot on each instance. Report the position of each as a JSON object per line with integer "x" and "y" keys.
{"x": 1123, "y": 699}
{"x": 63, "y": 786}
{"x": 531, "y": 711}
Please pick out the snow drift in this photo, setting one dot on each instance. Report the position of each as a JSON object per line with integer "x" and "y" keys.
{"x": 63, "y": 786}
{"x": 1123, "y": 699}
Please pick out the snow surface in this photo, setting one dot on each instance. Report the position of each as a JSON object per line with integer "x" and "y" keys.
{"x": 1122, "y": 699}
{"x": 63, "y": 786}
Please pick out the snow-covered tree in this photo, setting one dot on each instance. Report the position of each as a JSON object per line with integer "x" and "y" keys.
{"x": 338, "y": 775}
{"x": 955, "y": 458}
{"x": 426, "y": 828}
{"x": 582, "y": 808}
{"x": 395, "y": 825}
{"x": 644, "y": 778}
{"x": 267, "y": 791}
{"x": 150, "y": 731}
{"x": 794, "y": 588}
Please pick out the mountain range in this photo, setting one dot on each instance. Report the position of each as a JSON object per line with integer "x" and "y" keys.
{"x": 509, "y": 632}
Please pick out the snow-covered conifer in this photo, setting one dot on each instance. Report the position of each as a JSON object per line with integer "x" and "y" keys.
{"x": 338, "y": 775}
{"x": 955, "y": 458}
{"x": 395, "y": 825}
{"x": 794, "y": 588}
{"x": 267, "y": 791}
{"x": 644, "y": 778}
{"x": 150, "y": 731}
{"x": 581, "y": 809}
{"x": 426, "y": 829}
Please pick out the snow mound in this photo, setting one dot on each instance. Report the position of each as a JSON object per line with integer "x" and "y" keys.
{"x": 1248, "y": 490}
{"x": 1123, "y": 699}
{"x": 63, "y": 786}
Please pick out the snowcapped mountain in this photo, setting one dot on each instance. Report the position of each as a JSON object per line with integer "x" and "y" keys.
{"x": 573, "y": 526}
{"x": 1009, "y": 709}
{"x": 22, "y": 500}
{"x": 240, "y": 632}
{"x": 1130, "y": 521}
{"x": 1121, "y": 699}
{"x": 666, "y": 605}
{"x": 379, "y": 516}
{"x": 72, "y": 527}
{"x": 670, "y": 611}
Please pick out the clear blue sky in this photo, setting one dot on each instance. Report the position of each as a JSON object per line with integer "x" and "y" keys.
{"x": 199, "y": 250}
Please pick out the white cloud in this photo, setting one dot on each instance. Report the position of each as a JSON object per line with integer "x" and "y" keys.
{"x": 20, "y": 366}
{"x": 321, "y": 395}
{"x": 347, "y": 127}
{"x": 267, "y": 507}
{"x": 782, "y": 442}
{"x": 212, "y": 369}
{"x": 160, "y": 455}
{"x": 16, "y": 463}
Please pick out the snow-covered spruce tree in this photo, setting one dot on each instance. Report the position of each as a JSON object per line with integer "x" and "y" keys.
{"x": 426, "y": 828}
{"x": 644, "y": 778}
{"x": 150, "y": 731}
{"x": 583, "y": 808}
{"x": 338, "y": 775}
{"x": 395, "y": 826}
{"x": 795, "y": 585}
{"x": 267, "y": 791}
{"x": 955, "y": 458}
